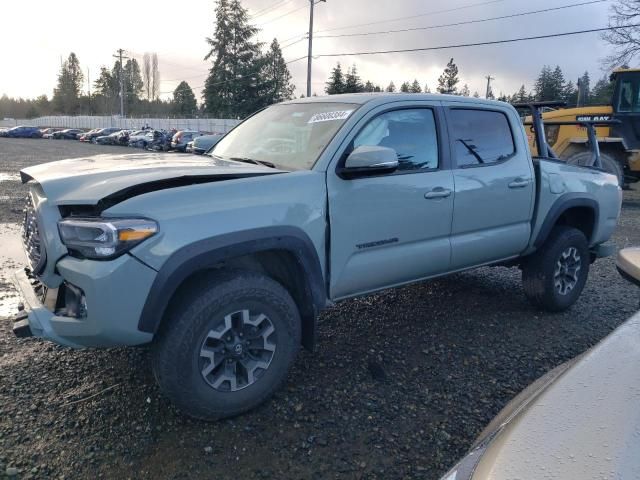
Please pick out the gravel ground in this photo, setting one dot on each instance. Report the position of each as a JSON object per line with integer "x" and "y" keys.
{"x": 401, "y": 383}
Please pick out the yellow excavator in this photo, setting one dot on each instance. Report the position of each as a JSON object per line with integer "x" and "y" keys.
{"x": 617, "y": 130}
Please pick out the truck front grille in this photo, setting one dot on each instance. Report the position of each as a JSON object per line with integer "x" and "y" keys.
{"x": 31, "y": 238}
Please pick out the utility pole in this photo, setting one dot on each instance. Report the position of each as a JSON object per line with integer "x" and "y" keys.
{"x": 89, "y": 90}
{"x": 489, "y": 78}
{"x": 310, "y": 55}
{"x": 119, "y": 56}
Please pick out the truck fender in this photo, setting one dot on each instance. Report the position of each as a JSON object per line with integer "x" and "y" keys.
{"x": 207, "y": 253}
{"x": 560, "y": 206}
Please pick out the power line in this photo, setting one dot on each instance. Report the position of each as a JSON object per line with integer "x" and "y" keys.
{"x": 269, "y": 9}
{"x": 281, "y": 16}
{"x": 460, "y": 45}
{"x": 463, "y": 7}
{"x": 468, "y": 22}
{"x": 237, "y": 77}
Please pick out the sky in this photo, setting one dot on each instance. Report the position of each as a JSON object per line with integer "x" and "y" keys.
{"x": 35, "y": 35}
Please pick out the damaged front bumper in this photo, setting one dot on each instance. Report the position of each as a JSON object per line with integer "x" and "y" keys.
{"x": 98, "y": 304}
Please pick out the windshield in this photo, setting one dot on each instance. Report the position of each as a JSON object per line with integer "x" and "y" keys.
{"x": 289, "y": 136}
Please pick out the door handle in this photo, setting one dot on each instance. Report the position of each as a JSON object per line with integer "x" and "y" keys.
{"x": 519, "y": 183}
{"x": 437, "y": 192}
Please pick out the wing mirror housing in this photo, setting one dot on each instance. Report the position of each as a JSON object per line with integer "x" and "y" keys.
{"x": 369, "y": 160}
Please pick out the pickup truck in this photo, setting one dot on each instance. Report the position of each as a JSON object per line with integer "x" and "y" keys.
{"x": 223, "y": 262}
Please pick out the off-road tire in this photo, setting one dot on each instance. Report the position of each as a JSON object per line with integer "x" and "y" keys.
{"x": 609, "y": 164}
{"x": 539, "y": 270}
{"x": 176, "y": 351}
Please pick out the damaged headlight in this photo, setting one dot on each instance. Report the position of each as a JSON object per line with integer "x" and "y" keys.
{"x": 102, "y": 238}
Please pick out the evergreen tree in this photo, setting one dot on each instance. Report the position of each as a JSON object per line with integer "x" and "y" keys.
{"x": 368, "y": 87}
{"x": 405, "y": 87}
{"x": 415, "y": 87}
{"x": 352, "y": 82}
{"x": 602, "y": 92}
{"x": 391, "y": 88}
{"x": 584, "y": 89}
{"x": 184, "y": 100}
{"x": 520, "y": 96}
{"x": 476, "y": 94}
{"x": 449, "y": 79}
{"x": 336, "y": 83}
{"x": 67, "y": 93}
{"x": 426, "y": 88}
{"x": 231, "y": 87}
{"x": 276, "y": 83}
{"x": 465, "y": 92}
{"x": 377, "y": 89}
{"x": 546, "y": 86}
{"x": 570, "y": 94}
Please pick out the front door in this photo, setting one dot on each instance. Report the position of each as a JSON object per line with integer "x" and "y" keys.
{"x": 393, "y": 228}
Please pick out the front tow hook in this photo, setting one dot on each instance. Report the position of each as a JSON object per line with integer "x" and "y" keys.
{"x": 21, "y": 328}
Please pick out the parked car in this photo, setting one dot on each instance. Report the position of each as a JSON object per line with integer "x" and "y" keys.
{"x": 182, "y": 138}
{"x": 92, "y": 135}
{"x": 3, "y": 131}
{"x": 23, "y": 132}
{"x": 48, "y": 132}
{"x": 141, "y": 138}
{"x": 204, "y": 143}
{"x": 120, "y": 137}
{"x": 222, "y": 263}
{"x": 67, "y": 134}
{"x": 578, "y": 421}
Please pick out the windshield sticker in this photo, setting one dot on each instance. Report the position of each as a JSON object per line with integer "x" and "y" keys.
{"x": 330, "y": 116}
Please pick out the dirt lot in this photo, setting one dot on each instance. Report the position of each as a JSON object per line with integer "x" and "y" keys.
{"x": 401, "y": 383}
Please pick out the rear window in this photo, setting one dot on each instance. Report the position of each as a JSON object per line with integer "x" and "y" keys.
{"x": 482, "y": 137}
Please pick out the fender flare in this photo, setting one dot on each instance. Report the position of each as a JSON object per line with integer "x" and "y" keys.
{"x": 561, "y": 205}
{"x": 206, "y": 253}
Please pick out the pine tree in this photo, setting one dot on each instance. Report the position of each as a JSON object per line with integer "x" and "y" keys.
{"x": 336, "y": 83}
{"x": 520, "y": 96}
{"x": 584, "y": 89}
{"x": 465, "y": 92}
{"x": 405, "y": 87}
{"x": 231, "y": 87}
{"x": 602, "y": 92}
{"x": 368, "y": 87}
{"x": 449, "y": 79}
{"x": 426, "y": 88}
{"x": 275, "y": 77}
{"x": 415, "y": 87}
{"x": 545, "y": 87}
{"x": 67, "y": 93}
{"x": 570, "y": 94}
{"x": 184, "y": 101}
{"x": 352, "y": 81}
{"x": 391, "y": 88}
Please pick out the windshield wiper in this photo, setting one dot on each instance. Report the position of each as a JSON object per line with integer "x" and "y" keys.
{"x": 253, "y": 161}
{"x": 472, "y": 150}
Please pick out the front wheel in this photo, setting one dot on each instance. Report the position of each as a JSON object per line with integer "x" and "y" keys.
{"x": 227, "y": 344}
{"x": 555, "y": 275}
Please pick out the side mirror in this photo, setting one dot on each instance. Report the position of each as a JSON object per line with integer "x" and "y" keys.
{"x": 628, "y": 263}
{"x": 369, "y": 160}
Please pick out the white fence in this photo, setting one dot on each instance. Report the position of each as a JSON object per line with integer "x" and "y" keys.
{"x": 212, "y": 125}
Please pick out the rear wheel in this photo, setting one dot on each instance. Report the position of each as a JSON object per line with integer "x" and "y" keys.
{"x": 227, "y": 346}
{"x": 555, "y": 275}
{"x": 609, "y": 163}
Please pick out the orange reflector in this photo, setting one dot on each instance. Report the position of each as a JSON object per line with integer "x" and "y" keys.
{"x": 134, "y": 235}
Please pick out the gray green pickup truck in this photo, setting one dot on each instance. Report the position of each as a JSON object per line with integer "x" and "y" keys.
{"x": 223, "y": 262}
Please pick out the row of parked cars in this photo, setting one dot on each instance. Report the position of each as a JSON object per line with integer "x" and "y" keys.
{"x": 147, "y": 138}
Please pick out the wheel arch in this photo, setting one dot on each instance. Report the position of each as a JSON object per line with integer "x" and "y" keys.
{"x": 284, "y": 253}
{"x": 578, "y": 210}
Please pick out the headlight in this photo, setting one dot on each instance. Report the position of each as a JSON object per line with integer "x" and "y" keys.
{"x": 103, "y": 238}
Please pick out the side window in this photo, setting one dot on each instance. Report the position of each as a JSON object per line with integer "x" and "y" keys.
{"x": 481, "y": 137}
{"x": 411, "y": 133}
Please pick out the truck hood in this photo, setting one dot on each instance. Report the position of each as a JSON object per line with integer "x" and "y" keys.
{"x": 585, "y": 425}
{"x": 113, "y": 178}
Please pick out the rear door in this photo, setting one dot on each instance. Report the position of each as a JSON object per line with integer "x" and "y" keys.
{"x": 393, "y": 228}
{"x": 494, "y": 185}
